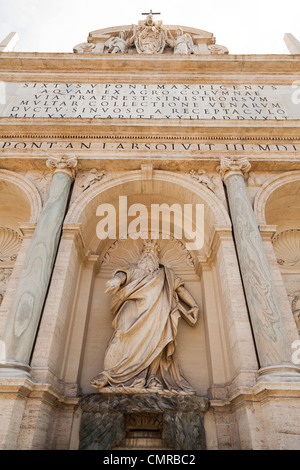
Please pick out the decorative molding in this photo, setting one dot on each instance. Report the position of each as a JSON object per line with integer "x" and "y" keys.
{"x": 90, "y": 178}
{"x": 254, "y": 180}
{"x": 41, "y": 179}
{"x": 267, "y": 232}
{"x": 10, "y": 242}
{"x": 172, "y": 253}
{"x": 202, "y": 178}
{"x": 29, "y": 190}
{"x": 219, "y": 213}
{"x": 74, "y": 232}
{"x": 150, "y": 37}
{"x": 268, "y": 188}
{"x": 151, "y": 137}
{"x": 295, "y": 305}
{"x": 84, "y": 48}
{"x": 85, "y": 180}
{"x": 147, "y": 172}
{"x": 287, "y": 247}
{"x": 63, "y": 163}
{"x": 217, "y": 49}
{"x": 5, "y": 274}
{"x": 233, "y": 165}
{"x": 220, "y": 233}
{"x": 27, "y": 229}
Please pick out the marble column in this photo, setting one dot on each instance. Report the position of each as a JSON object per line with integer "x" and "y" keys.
{"x": 27, "y": 305}
{"x": 270, "y": 336}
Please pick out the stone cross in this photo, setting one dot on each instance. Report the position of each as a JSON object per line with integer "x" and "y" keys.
{"x": 151, "y": 13}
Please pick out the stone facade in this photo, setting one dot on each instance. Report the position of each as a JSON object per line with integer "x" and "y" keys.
{"x": 196, "y": 126}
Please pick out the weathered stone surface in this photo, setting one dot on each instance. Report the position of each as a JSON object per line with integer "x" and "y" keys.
{"x": 102, "y": 423}
{"x": 153, "y": 101}
{"x": 184, "y": 430}
{"x": 246, "y": 106}
{"x": 100, "y": 431}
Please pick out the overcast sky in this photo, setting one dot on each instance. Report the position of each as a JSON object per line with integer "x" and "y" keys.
{"x": 244, "y": 27}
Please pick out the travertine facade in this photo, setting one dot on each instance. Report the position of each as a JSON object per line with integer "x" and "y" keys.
{"x": 132, "y": 114}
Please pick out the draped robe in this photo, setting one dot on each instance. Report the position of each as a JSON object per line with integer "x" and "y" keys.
{"x": 142, "y": 347}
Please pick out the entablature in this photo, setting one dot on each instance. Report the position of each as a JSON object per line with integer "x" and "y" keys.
{"x": 88, "y": 68}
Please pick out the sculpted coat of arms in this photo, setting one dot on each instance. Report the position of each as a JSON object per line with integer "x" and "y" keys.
{"x": 149, "y": 37}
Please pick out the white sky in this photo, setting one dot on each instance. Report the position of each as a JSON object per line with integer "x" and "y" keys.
{"x": 244, "y": 27}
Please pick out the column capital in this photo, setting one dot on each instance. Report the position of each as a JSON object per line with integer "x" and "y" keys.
{"x": 63, "y": 163}
{"x": 233, "y": 166}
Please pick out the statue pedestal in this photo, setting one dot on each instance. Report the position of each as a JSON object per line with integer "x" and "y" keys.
{"x": 142, "y": 421}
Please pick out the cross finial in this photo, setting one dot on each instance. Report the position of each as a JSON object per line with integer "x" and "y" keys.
{"x": 150, "y": 13}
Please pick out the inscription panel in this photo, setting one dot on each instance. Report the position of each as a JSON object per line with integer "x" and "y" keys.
{"x": 103, "y": 145}
{"x": 148, "y": 101}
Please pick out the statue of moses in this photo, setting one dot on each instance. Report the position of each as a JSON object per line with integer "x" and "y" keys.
{"x": 147, "y": 305}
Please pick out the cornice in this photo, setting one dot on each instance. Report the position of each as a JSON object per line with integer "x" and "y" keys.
{"x": 45, "y": 65}
{"x": 148, "y": 129}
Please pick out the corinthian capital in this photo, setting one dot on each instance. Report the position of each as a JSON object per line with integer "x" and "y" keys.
{"x": 63, "y": 163}
{"x": 233, "y": 165}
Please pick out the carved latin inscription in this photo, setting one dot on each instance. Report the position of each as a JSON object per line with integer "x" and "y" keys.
{"x": 148, "y": 101}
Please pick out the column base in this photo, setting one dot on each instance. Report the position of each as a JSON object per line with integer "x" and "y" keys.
{"x": 279, "y": 373}
{"x": 14, "y": 370}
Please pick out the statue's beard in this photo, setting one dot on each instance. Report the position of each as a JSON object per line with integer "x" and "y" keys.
{"x": 149, "y": 263}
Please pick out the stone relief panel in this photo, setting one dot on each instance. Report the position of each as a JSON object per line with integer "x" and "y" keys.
{"x": 203, "y": 178}
{"x": 119, "y": 44}
{"x": 217, "y": 49}
{"x": 86, "y": 179}
{"x": 254, "y": 181}
{"x": 287, "y": 247}
{"x": 182, "y": 43}
{"x": 84, "y": 48}
{"x": 150, "y": 36}
{"x": 10, "y": 243}
{"x": 212, "y": 182}
{"x": 90, "y": 178}
{"x": 5, "y": 274}
{"x": 295, "y": 306}
{"x": 172, "y": 253}
{"x": 41, "y": 180}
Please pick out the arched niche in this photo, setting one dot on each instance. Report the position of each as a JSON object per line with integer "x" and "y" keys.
{"x": 20, "y": 200}
{"x": 19, "y": 203}
{"x": 164, "y": 187}
{"x": 278, "y": 201}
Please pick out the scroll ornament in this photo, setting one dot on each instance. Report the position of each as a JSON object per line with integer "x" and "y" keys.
{"x": 233, "y": 165}
{"x": 64, "y": 163}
